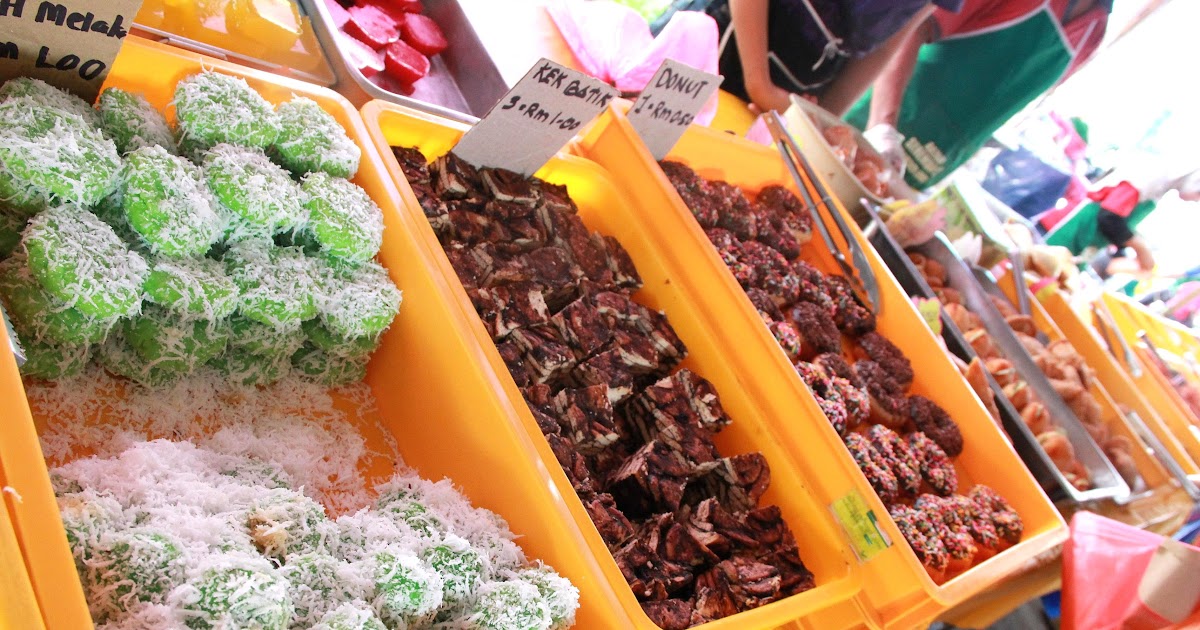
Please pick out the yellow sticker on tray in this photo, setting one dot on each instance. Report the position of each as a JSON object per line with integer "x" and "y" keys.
{"x": 861, "y": 525}
{"x": 931, "y": 312}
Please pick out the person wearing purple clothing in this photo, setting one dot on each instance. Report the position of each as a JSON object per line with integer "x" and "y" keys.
{"x": 826, "y": 50}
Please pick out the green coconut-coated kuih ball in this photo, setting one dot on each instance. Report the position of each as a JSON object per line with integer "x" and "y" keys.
{"x": 312, "y": 140}
{"x": 38, "y": 315}
{"x": 252, "y": 187}
{"x": 286, "y": 523}
{"x": 506, "y": 605}
{"x": 119, "y": 359}
{"x": 277, "y": 283}
{"x": 460, "y": 565}
{"x": 168, "y": 204}
{"x": 407, "y": 591}
{"x": 19, "y": 197}
{"x": 344, "y": 220}
{"x": 263, "y": 339}
{"x": 81, "y": 261}
{"x": 317, "y": 587}
{"x": 358, "y": 302}
{"x": 132, "y": 122}
{"x": 111, "y": 210}
{"x": 53, "y": 361}
{"x": 85, "y": 518}
{"x": 193, "y": 287}
{"x": 138, "y": 565}
{"x": 561, "y": 597}
{"x": 238, "y": 597}
{"x": 168, "y": 342}
{"x": 328, "y": 341}
{"x": 406, "y": 507}
{"x": 56, "y": 152}
{"x": 244, "y": 368}
{"x": 350, "y": 617}
{"x": 327, "y": 368}
{"x": 212, "y": 108}
{"x": 48, "y": 96}
{"x": 12, "y": 224}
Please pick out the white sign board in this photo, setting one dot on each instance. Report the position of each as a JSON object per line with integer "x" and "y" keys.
{"x": 669, "y": 104}
{"x": 539, "y": 115}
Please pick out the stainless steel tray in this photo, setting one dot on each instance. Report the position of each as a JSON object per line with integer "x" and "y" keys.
{"x": 914, "y": 284}
{"x": 1106, "y": 481}
{"x": 988, "y": 283}
{"x": 462, "y": 85}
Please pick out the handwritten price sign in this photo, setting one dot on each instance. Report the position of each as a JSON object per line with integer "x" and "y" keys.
{"x": 68, "y": 44}
{"x": 535, "y": 119}
{"x": 669, "y": 104}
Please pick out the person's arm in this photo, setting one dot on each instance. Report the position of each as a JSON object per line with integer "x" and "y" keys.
{"x": 1115, "y": 228}
{"x": 892, "y": 82}
{"x": 749, "y": 21}
{"x": 859, "y": 73}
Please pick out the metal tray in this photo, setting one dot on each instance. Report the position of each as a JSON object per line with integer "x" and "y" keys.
{"x": 463, "y": 82}
{"x": 1024, "y": 442}
{"x": 989, "y": 285}
{"x": 1106, "y": 481}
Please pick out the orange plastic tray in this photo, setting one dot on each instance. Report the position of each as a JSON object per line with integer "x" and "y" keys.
{"x": 603, "y": 207}
{"x": 1111, "y": 375}
{"x": 18, "y": 604}
{"x": 897, "y": 592}
{"x": 203, "y": 22}
{"x": 1153, "y": 473}
{"x": 1131, "y": 318}
{"x": 433, "y": 389}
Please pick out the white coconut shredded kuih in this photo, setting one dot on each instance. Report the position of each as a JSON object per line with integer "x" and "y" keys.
{"x": 292, "y": 423}
{"x": 48, "y": 96}
{"x": 56, "y": 151}
{"x": 246, "y": 182}
{"x": 132, "y": 122}
{"x": 84, "y": 263}
{"x": 220, "y": 511}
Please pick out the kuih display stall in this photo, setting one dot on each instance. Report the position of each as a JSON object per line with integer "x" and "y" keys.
{"x": 756, "y": 169}
{"x": 622, "y": 512}
{"x": 426, "y": 403}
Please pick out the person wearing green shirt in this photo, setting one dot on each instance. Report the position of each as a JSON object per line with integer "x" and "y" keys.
{"x": 1122, "y": 201}
{"x": 960, "y": 76}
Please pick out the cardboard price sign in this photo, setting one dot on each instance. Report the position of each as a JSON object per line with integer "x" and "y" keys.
{"x": 68, "y": 44}
{"x": 540, "y": 114}
{"x": 669, "y": 104}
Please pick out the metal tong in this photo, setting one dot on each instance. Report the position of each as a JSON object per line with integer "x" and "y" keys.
{"x": 1018, "y": 271}
{"x": 1108, "y": 330}
{"x": 864, "y": 281}
{"x": 1160, "y": 453}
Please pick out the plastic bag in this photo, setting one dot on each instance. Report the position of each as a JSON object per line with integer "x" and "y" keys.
{"x": 1118, "y": 576}
{"x": 613, "y": 43}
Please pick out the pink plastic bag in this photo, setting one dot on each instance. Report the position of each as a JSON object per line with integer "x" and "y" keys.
{"x": 1120, "y": 577}
{"x": 613, "y": 43}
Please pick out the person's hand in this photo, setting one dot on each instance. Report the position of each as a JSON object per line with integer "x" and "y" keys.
{"x": 767, "y": 97}
{"x": 1145, "y": 260}
{"x": 889, "y": 143}
{"x": 1141, "y": 249}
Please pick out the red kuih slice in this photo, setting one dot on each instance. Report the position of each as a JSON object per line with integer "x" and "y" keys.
{"x": 422, "y": 33}
{"x": 405, "y": 63}
{"x": 339, "y": 13}
{"x": 395, "y": 8}
{"x": 368, "y": 60}
{"x": 371, "y": 26}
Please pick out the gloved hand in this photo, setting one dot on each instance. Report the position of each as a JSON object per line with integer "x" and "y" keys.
{"x": 888, "y": 142}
